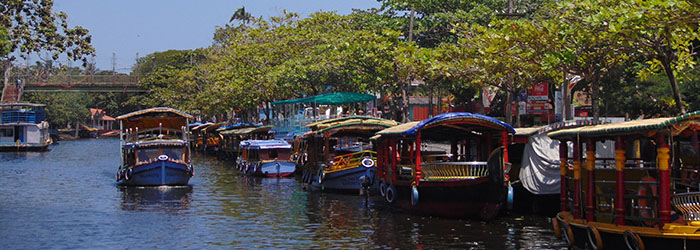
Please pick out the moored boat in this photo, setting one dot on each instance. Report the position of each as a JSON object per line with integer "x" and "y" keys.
{"x": 451, "y": 165}
{"x": 266, "y": 158}
{"x": 23, "y": 127}
{"x": 154, "y": 148}
{"x": 337, "y": 153}
{"x": 644, "y": 197}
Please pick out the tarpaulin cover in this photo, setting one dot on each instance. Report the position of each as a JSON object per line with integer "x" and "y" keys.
{"x": 539, "y": 170}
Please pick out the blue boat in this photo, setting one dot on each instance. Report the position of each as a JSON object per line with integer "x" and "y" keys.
{"x": 23, "y": 127}
{"x": 154, "y": 148}
{"x": 338, "y": 155}
{"x": 266, "y": 158}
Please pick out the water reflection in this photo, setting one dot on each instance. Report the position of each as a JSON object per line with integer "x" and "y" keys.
{"x": 170, "y": 200}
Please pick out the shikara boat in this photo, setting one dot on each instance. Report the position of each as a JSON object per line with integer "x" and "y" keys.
{"x": 154, "y": 148}
{"x": 534, "y": 176}
{"x": 338, "y": 155}
{"x": 231, "y": 139}
{"x": 645, "y": 197}
{"x": 450, "y": 165}
{"x": 23, "y": 127}
{"x": 266, "y": 158}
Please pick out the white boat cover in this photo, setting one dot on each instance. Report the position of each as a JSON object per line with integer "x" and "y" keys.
{"x": 539, "y": 170}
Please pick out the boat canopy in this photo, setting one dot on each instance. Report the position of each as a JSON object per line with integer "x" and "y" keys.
{"x": 248, "y": 130}
{"x": 331, "y": 99}
{"x": 265, "y": 144}
{"x": 450, "y": 124}
{"x": 157, "y": 142}
{"x": 540, "y": 130}
{"x": 201, "y": 126}
{"x": 154, "y": 118}
{"x": 238, "y": 125}
{"x": 677, "y": 124}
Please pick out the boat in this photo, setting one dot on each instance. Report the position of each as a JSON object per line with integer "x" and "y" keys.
{"x": 450, "y": 165}
{"x": 212, "y": 137}
{"x": 338, "y": 155}
{"x": 154, "y": 148}
{"x": 198, "y": 137}
{"x": 266, "y": 158}
{"x": 534, "y": 176}
{"x": 23, "y": 127}
{"x": 645, "y": 197}
{"x": 236, "y": 133}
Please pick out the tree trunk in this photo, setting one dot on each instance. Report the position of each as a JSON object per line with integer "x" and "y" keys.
{"x": 404, "y": 100}
{"x": 508, "y": 108}
{"x": 595, "y": 93}
{"x": 77, "y": 128}
{"x": 6, "y": 66}
{"x": 439, "y": 103}
{"x": 430, "y": 103}
{"x": 674, "y": 86}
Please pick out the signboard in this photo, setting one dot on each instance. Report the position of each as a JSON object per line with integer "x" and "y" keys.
{"x": 489, "y": 94}
{"x": 538, "y": 92}
{"x": 537, "y": 107}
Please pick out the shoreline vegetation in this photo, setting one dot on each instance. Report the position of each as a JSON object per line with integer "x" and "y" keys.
{"x": 632, "y": 59}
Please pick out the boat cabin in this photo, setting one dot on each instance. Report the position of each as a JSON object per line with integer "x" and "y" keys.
{"x": 23, "y": 127}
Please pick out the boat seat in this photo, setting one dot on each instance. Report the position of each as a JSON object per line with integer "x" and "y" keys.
{"x": 443, "y": 171}
{"x": 688, "y": 204}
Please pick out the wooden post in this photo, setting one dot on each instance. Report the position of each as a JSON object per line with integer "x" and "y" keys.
{"x": 577, "y": 179}
{"x": 563, "y": 165}
{"x": 504, "y": 143}
{"x": 419, "y": 171}
{"x": 664, "y": 181}
{"x": 590, "y": 187}
{"x": 620, "y": 181}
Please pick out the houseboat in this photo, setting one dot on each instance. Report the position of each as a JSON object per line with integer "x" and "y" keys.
{"x": 266, "y": 158}
{"x": 645, "y": 197}
{"x": 154, "y": 148}
{"x": 450, "y": 165}
{"x": 231, "y": 138}
{"x": 23, "y": 127}
{"x": 338, "y": 154}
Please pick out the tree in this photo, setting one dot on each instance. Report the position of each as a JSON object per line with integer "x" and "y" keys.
{"x": 663, "y": 32}
{"x": 33, "y": 27}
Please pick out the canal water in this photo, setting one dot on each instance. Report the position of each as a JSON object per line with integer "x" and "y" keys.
{"x": 67, "y": 199}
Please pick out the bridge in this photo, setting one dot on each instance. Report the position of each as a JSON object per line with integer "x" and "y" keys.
{"x": 13, "y": 90}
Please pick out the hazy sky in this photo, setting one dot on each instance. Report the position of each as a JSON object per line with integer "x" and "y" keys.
{"x": 127, "y": 27}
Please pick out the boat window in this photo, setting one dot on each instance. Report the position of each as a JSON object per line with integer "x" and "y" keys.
{"x": 146, "y": 154}
{"x": 7, "y": 132}
{"x": 173, "y": 153}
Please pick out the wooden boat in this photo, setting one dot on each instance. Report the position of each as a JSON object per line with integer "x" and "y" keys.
{"x": 199, "y": 138}
{"x": 338, "y": 154}
{"x": 417, "y": 173}
{"x": 534, "y": 175}
{"x": 154, "y": 148}
{"x": 23, "y": 127}
{"x": 645, "y": 197}
{"x": 232, "y": 137}
{"x": 266, "y": 158}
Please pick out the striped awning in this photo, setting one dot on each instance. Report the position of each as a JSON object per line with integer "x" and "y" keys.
{"x": 625, "y": 128}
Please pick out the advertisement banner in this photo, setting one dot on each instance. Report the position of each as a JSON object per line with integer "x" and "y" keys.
{"x": 538, "y": 92}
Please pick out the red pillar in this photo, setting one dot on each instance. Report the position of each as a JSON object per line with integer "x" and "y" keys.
{"x": 590, "y": 187}
{"x": 393, "y": 159}
{"x": 664, "y": 180}
{"x": 419, "y": 170}
{"x": 620, "y": 181}
{"x": 577, "y": 179}
{"x": 563, "y": 166}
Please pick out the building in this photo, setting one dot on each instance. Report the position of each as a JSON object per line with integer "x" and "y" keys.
{"x": 101, "y": 121}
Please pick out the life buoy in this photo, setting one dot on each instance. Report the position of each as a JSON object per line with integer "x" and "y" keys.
{"x": 646, "y": 190}
{"x": 382, "y": 188}
{"x": 118, "y": 175}
{"x": 367, "y": 162}
{"x": 557, "y": 229}
{"x": 568, "y": 233}
{"x": 390, "y": 194}
{"x": 414, "y": 195}
{"x": 594, "y": 237}
{"x": 633, "y": 241}
{"x": 127, "y": 174}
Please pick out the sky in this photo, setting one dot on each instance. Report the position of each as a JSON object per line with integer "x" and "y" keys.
{"x": 127, "y": 27}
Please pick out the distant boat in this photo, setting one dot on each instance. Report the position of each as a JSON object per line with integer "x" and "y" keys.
{"x": 154, "y": 148}
{"x": 23, "y": 127}
{"x": 266, "y": 158}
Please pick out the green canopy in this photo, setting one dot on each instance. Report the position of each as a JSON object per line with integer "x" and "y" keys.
{"x": 331, "y": 99}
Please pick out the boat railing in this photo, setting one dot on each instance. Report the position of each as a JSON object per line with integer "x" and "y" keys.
{"x": 155, "y": 133}
{"x": 352, "y": 160}
{"x": 688, "y": 204}
{"x": 445, "y": 171}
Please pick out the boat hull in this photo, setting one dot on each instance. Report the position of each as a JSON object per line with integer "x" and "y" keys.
{"x": 157, "y": 174}
{"x": 279, "y": 169}
{"x": 466, "y": 199}
{"x": 613, "y": 237}
{"x": 342, "y": 180}
{"x": 24, "y": 148}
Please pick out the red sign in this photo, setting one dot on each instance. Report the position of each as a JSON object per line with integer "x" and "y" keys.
{"x": 538, "y": 92}
{"x": 539, "y": 107}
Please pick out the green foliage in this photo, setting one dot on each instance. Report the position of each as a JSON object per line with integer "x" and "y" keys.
{"x": 62, "y": 108}
{"x": 5, "y": 44}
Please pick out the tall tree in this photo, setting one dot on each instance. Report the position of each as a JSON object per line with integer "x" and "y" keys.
{"x": 34, "y": 27}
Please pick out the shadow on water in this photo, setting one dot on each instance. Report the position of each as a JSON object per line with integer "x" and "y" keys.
{"x": 159, "y": 198}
